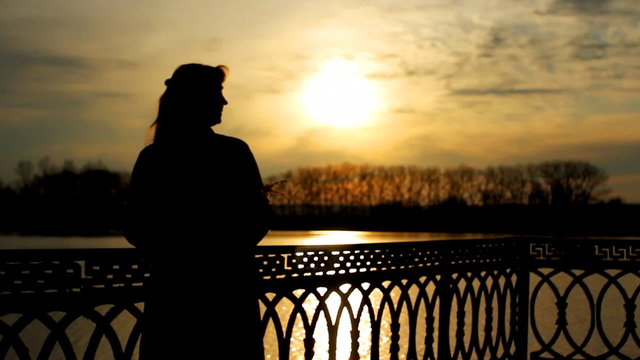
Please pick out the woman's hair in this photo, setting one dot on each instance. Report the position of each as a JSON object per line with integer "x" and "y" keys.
{"x": 186, "y": 99}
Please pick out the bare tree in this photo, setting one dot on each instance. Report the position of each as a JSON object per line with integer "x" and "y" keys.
{"x": 24, "y": 170}
{"x": 573, "y": 182}
{"x": 460, "y": 185}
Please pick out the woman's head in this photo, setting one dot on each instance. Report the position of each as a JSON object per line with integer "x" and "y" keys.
{"x": 192, "y": 101}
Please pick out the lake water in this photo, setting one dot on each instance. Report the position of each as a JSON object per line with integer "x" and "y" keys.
{"x": 613, "y": 316}
{"x": 274, "y": 238}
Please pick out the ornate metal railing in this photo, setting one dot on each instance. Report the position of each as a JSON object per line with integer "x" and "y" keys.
{"x": 64, "y": 304}
{"x": 502, "y": 298}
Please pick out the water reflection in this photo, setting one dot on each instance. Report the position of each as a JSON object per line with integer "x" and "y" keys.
{"x": 341, "y": 320}
{"x": 329, "y": 312}
{"x": 274, "y": 238}
{"x": 337, "y": 237}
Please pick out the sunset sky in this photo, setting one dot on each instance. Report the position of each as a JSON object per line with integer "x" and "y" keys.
{"x": 426, "y": 83}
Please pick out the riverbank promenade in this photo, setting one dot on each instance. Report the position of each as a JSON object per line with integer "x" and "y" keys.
{"x": 486, "y": 297}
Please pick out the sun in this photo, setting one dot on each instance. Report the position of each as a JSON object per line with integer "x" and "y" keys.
{"x": 340, "y": 96}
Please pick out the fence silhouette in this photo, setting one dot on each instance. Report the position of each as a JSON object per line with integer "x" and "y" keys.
{"x": 499, "y": 298}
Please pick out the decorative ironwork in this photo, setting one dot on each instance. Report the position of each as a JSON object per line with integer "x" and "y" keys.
{"x": 395, "y": 298}
{"x": 504, "y": 298}
{"x": 583, "y": 301}
{"x": 289, "y": 262}
{"x": 544, "y": 251}
{"x": 611, "y": 252}
{"x": 65, "y": 303}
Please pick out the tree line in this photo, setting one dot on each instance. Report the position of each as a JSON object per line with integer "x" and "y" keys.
{"x": 552, "y": 197}
{"x": 545, "y": 183}
{"x": 63, "y": 199}
{"x": 49, "y": 198}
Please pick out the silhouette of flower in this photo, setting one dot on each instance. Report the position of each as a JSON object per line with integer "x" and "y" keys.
{"x": 269, "y": 188}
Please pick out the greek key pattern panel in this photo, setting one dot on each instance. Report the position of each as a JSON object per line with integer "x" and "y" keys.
{"x": 70, "y": 271}
{"x": 544, "y": 251}
{"x": 585, "y": 251}
{"x": 611, "y": 252}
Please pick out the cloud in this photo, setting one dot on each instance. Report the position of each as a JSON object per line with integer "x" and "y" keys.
{"x": 538, "y": 55}
{"x": 504, "y": 91}
{"x": 12, "y": 58}
{"x": 24, "y": 67}
{"x": 21, "y": 69}
{"x": 580, "y": 7}
{"x": 592, "y": 8}
{"x": 589, "y": 48}
{"x": 40, "y": 80}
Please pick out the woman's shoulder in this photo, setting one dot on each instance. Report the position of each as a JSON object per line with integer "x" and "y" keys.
{"x": 152, "y": 154}
{"x": 150, "y": 150}
{"x": 230, "y": 141}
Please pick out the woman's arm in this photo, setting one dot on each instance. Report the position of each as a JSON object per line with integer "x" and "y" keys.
{"x": 258, "y": 209}
{"x": 137, "y": 212}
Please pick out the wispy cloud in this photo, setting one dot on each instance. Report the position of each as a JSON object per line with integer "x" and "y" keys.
{"x": 592, "y": 8}
{"x": 504, "y": 91}
{"x": 12, "y": 58}
{"x": 37, "y": 78}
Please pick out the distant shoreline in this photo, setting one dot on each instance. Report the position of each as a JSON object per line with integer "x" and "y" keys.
{"x": 574, "y": 220}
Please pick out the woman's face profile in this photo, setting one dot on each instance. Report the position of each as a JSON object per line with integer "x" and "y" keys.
{"x": 218, "y": 102}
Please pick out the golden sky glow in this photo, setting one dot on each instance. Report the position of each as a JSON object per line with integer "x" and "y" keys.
{"x": 436, "y": 82}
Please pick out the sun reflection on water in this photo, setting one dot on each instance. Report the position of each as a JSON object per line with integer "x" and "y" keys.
{"x": 336, "y": 238}
{"x": 332, "y": 311}
{"x": 337, "y": 311}
{"x": 349, "y": 237}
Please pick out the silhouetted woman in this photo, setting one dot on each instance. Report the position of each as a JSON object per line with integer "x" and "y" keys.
{"x": 197, "y": 210}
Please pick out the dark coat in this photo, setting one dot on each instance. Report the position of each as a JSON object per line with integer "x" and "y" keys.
{"x": 197, "y": 210}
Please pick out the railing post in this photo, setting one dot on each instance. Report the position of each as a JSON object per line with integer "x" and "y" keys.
{"x": 523, "y": 293}
{"x": 446, "y": 295}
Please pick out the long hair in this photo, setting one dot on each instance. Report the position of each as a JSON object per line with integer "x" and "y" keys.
{"x": 183, "y": 105}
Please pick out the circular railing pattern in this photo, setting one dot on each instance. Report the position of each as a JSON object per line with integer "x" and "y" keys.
{"x": 605, "y": 325}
